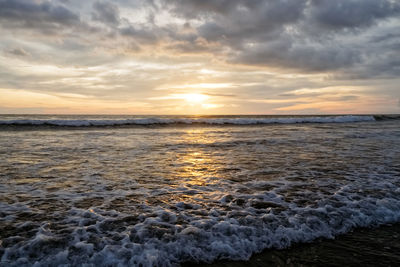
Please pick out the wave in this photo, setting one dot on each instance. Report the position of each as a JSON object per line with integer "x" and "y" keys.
{"x": 187, "y": 121}
{"x": 387, "y": 117}
{"x": 240, "y": 225}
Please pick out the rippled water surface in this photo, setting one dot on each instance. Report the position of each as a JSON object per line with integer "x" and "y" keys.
{"x": 156, "y": 195}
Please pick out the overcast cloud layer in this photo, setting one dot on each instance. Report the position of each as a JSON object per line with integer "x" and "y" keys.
{"x": 241, "y": 56}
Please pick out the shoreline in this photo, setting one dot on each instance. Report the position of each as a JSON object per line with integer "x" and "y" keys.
{"x": 378, "y": 246}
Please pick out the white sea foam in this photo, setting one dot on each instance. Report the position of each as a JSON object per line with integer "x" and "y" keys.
{"x": 164, "y": 236}
{"x": 177, "y": 120}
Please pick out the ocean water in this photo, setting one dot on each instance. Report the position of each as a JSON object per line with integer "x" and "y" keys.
{"x": 161, "y": 191}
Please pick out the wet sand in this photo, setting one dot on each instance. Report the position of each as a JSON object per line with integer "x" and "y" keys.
{"x": 362, "y": 247}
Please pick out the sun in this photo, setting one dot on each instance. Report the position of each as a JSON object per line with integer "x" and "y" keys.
{"x": 195, "y": 98}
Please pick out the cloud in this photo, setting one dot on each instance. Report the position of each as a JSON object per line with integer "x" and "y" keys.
{"x": 18, "y": 52}
{"x": 252, "y": 21}
{"x": 220, "y": 95}
{"x": 141, "y": 34}
{"x": 45, "y": 16}
{"x": 350, "y": 14}
{"x": 286, "y": 53}
{"x": 305, "y": 35}
{"x": 106, "y": 12}
{"x": 288, "y": 34}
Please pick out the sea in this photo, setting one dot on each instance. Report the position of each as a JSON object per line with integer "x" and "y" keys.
{"x": 82, "y": 190}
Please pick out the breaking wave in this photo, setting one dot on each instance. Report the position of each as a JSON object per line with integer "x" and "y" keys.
{"x": 186, "y": 121}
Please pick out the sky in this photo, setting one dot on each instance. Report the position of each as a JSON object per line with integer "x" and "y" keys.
{"x": 199, "y": 57}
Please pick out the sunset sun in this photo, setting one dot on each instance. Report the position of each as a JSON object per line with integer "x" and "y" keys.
{"x": 195, "y": 98}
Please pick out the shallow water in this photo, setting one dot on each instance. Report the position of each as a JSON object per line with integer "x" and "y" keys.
{"x": 361, "y": 247}
{"x": 160, "y": 196}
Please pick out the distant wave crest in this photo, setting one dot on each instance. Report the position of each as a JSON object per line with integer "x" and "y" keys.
{"x": 188, "y": 121}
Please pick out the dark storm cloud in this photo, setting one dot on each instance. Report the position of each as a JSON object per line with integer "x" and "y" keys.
{"x": 195, "y": 8}
{"x": 331, "y": 14}
{"x": 383, "y": 67}
{"x": 310, "y": 57}
{"x": 141, "y": 34}
{"x": 387, "y": 38}
{"x": 30, "y": 14}
{"x": 236, "y": 20}
{"x": 106, "y": 12}
{"x": 307, "y": 35}
{"x": 351, "y": 14}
